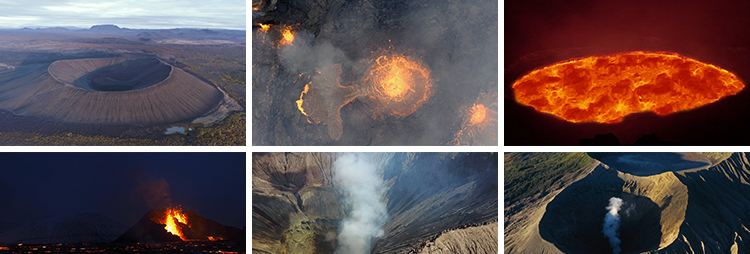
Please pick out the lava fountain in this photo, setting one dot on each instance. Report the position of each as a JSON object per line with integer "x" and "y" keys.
{"x": 174, "y": 220}
{"x": 287, "y": 36}
{"x": 399, "y": 83}
{"x": 264, "y": 27}
{"x": 606, "y": 88}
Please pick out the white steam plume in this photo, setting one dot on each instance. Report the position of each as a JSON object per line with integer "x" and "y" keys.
{"x": 362, "y": 188}
{"x": 612, "y": 224}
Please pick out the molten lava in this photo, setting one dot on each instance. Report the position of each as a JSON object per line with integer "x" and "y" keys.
{"x": 264, "y": 28}
{"x": 287, "y": 36}
{"x": 173, "y": 216}
{"x": 400, "y": 83}
{"x": 300, "y": 101}
{"x": 604, "y": 89}
{"x": 478, "y": 113}
{"x": 215, "y": 238}
{"x": 479, "y": 122}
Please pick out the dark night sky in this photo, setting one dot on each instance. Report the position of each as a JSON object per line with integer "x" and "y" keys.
{"x": 122, "y": 186}
{"x": 534, "y": 25}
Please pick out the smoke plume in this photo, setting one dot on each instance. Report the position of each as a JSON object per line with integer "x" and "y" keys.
{"x": 362, "y": 188}
{"x": 612, "y": 224}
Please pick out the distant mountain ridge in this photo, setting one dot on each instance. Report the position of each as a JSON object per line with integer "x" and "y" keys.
{"x": 78, "y": 228}
{"x": 114, "y": 30}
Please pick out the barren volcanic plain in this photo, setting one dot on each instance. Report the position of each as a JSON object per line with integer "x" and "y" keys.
{"x": 543, "y": 33}
{"x": 116, "y": 86}
{"x": 668, "y": 202}
{"x": 375, "y": 72}
{"x": 374, "y": 203}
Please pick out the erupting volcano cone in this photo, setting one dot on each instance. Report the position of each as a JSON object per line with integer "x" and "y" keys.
{"x": 604, "y": 89}
{"x": 174, "y": 225}
{"x": 398, "y": 82}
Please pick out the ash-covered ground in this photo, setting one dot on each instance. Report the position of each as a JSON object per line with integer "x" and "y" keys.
{"x": 456, "y": 40}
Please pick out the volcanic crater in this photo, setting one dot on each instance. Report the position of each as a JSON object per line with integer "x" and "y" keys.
{"x": 297, "y": 206}
{"x": 127, "y": 90}
{"x": 678, "y": 203}
{"x": 573, "y": 220}
{"x": 117, "y": 74}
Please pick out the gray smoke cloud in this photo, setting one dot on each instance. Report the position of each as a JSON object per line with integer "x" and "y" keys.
{"x": 362, "y": 187}
{"x": 612, "y": 224}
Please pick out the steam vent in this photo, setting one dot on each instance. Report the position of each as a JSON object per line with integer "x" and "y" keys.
{"x": 307, "y": 203}
{"x": 109, "y": 91}
{"x": 671, "y": 202}
{"x": 605, "y": 89}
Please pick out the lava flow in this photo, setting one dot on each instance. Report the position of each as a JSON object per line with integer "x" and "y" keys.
{"x": 605, "y": 89}
{"x": 323, "y": 98}
{"x": 400, "y": 84}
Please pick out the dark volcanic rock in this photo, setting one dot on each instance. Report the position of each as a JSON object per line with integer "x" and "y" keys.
{"x": 147, "y": 230}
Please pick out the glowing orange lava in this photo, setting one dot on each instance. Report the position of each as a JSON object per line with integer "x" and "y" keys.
{"x": 400, "y": 83}
{"x": 256, "y": 8}
{"x": 300, "y": 101}
{"x": 264, "y": 28}
{"x": 604, "y": 89}
{"x": 215, "y": 238}
{"x": 479, "y": 122}
{"x": 478, "y": 113}
{"x": 287, "y": 36}
{"x": 173, "y": 216}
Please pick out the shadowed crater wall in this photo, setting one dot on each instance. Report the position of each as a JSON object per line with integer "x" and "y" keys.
{"x": 123, "y": 76}
{"x": 112, "y": 91}
{"x": 578, "y": 229}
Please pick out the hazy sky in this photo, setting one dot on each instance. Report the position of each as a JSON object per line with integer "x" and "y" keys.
{"x": 150, "y": 14}
{"x": 121, "y": 186}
